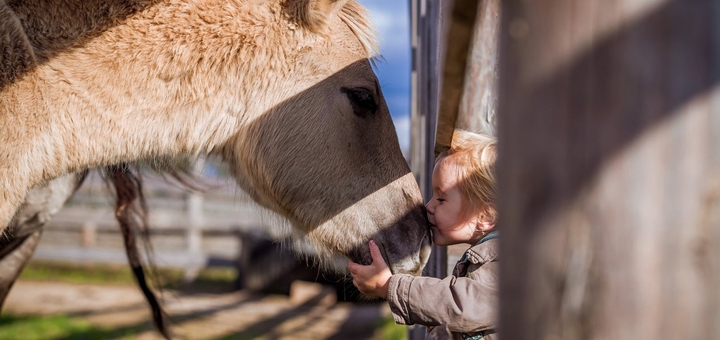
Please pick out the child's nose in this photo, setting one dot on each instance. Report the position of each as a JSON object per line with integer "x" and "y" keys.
{"x": 430, "y": 207}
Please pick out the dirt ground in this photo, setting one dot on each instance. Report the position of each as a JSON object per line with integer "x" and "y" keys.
{"x": 309, "y": 313}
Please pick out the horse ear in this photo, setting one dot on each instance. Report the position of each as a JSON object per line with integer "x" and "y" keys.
{"x": 314, "y": 14}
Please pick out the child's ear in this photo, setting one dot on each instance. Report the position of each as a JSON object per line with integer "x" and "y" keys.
{"x": 485, "y": 225}
{"x": 485, "y": 220}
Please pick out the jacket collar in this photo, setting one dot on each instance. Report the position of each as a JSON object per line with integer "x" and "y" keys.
{"x": 484, "y": 251}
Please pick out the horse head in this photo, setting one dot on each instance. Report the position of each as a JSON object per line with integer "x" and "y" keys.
{"x": 325, "y": 154}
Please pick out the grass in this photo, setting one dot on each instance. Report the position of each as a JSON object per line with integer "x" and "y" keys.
{"x": 74, "y": 328}
{"x": 68, "y": 327}
{"x": 212, "y": 279}
{"x": 63, "y": 327}
{"x": 389, "y": 330}
{"x": 59, "y": 327}
{"x": 93, "y": 274}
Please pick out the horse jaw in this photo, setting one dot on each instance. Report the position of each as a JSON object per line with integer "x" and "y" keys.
{"x": 400, "y": 232}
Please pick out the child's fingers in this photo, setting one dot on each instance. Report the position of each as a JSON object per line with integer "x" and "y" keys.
{"x": 353, "y": 267}
{"x": 375, "y": 253}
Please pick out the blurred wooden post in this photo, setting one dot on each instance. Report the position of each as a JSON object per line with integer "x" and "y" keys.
{"x": 194, "y": 208}
{"x": 88, "y": 234}
{"x": 609, "y": 169}
{"x": 242, "y": 264}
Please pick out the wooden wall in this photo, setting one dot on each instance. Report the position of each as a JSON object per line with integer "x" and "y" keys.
{"x": 609, "y": 134}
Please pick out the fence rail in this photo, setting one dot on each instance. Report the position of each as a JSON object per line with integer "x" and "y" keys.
{"x": 187, "y": 229}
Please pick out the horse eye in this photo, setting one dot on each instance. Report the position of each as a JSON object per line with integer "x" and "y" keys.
{"x": 362, "y": 100}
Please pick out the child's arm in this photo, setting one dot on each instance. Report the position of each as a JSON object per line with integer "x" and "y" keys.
{"x": 465, "y": 305}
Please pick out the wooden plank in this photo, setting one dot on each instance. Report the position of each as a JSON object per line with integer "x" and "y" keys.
{"x": 477, "y": 109}
{"x": 426, "y": 27}
{"x": 609, "y": 174}
{"x": 468, "y": 98}
{"x": 457, "y": 48}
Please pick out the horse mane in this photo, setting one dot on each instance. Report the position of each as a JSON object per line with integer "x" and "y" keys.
{"x": 357, "y": 19}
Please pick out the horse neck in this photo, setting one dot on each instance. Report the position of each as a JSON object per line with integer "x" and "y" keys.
{"x": 83, "y": 124}
{"x": 127, "y": 94}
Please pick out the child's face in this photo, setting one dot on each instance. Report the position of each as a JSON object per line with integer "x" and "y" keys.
{"x": 449, "y": 223}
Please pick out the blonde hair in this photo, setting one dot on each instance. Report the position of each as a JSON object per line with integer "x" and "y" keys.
{"x": 474, "y": 157}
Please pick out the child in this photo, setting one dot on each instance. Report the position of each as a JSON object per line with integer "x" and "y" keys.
{"x": 462, "y": 210}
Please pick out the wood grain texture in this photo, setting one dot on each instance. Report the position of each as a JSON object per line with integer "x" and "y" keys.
{"x": 609, "y": 169}
{"x": 478, "y": 105}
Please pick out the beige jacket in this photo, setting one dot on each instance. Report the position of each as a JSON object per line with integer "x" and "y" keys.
{"x": 465, "y": 302}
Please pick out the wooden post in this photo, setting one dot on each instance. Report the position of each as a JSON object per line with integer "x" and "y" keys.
{"x": 468, "y": 97}
{"x": 457, "y": 41}
{"x": 426, "y": 44}
{"x": 194, "y": 210}
{"x": 609, "y": 169}
{"x": 478, "y": 105}
{"x": 242, "y": 263}
{"x": 88, "y": 234}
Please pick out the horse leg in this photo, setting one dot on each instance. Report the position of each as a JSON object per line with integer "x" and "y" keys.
{"x": 20, "y": 240}
{"x": 8, "y": 206}
{"x": 14, "y": 255}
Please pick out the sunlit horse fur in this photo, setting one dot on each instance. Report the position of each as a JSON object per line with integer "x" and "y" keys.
{"x": 283, "y": 91}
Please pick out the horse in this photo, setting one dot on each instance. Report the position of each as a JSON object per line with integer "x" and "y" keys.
{"x": 18, "y": 245}
{"x": 282, "y": 91}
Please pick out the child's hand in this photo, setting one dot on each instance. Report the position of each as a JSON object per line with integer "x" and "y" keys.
{"x": 371, "y": 280}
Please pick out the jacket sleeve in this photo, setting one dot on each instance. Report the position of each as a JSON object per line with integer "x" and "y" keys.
{"x": 463, "y": 304}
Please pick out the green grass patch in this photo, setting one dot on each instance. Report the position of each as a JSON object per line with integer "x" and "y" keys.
{"x": 214, "y": 279}
{"x": 76, "y": 273}
{"x": 389, "y": 330}
{"x": 59, "y": 327}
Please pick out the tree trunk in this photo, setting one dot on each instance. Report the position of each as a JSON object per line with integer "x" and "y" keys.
{"x": 609, "y": 169}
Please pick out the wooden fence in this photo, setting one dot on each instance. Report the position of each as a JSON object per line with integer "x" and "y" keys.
{"x": 189, "y": 230}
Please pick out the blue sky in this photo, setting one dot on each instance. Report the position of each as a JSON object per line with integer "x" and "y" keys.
{"x": 392, "y": 20}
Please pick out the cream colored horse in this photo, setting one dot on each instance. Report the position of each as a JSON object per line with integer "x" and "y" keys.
{"x": 282, "y": 90}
